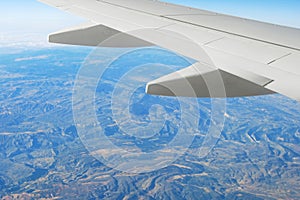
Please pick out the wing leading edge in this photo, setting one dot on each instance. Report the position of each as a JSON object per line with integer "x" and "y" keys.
{"x": 253, "y": 58}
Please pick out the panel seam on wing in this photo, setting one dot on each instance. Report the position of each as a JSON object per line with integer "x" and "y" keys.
{"x": 281, "y": 57}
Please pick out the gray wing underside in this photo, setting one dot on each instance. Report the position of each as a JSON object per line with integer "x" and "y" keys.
{"x": 253, "y": 58}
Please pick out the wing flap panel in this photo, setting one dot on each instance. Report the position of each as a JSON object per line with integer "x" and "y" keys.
{"x": 96, "y": 35}
{"x": 200, "y": 80}
{"x": 281, "y": 81}
{"x": 290, "y": 63}
{"x": 288, "y": 88}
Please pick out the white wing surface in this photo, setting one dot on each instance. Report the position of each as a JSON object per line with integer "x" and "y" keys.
{"x": 253, "y": 58}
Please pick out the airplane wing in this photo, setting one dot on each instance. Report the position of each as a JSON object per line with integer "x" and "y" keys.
{"x": 253, "y": 58}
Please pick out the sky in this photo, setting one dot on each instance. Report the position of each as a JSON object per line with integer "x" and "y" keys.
{"x": 29, "y": 21}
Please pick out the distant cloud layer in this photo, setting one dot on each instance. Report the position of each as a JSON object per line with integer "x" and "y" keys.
{"x": 32, "y": 58}
{"x": 14, "y": 42}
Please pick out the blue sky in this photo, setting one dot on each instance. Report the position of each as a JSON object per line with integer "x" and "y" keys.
{"x": 31, "y": 20}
